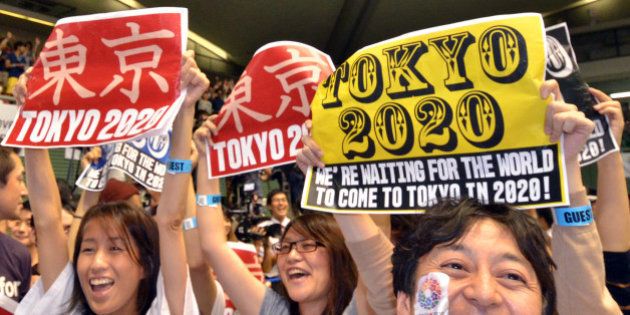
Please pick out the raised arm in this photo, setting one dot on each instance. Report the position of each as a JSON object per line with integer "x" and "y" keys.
{"x": 87, "y": 200}
{"x": 200, "y": 274}
{"x": 46, "y": 206}
{"x": 244, "y": 290}
{"x": 612, "y": 211}
{"x": 576, "y": 249}
{"x": 371, "y": 250}
{"x": 5, "y": 41}
{"x": 170, "y": 211}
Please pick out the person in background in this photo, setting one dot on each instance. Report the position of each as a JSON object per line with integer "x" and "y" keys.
{"x": 15, "y": 264}
{"x": 15, "y": 65}
{"x": 116, "y": 190}
{"x": 611, "y": 208}
{"x": 23, "y": 231}
{"x": 270, "y": 232}
{"x": 204, "y": 104}
{"x": 30, "y": 52}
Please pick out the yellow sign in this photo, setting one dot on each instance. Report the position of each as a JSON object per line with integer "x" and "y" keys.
{"x": 450, "y": 111}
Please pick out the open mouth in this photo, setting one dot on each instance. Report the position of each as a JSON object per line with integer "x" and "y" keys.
{"x": 297, "y": 273}
{"x": 100, "y": 285}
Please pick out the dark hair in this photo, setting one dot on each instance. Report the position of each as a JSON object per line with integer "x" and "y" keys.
{"x": 448, "y": 221}
{"x": 18, "y": 44}
{"x": 545, "y": 214}
{"x": 65, "y": 192}
{"x": 133, "y": 225}
{"x": 26, "y": 205}
{"x": 401, "y": 225}
{"x": 6, "y": 164}
{"x": 275, "y": 192}
{"x": 343, "y": 272}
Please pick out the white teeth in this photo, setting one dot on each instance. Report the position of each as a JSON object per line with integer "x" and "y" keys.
{"x": 295, "y": 271}
{"x": 101, "y": 281}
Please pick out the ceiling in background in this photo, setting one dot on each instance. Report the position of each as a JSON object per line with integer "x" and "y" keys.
{"x": 337, "y": 27}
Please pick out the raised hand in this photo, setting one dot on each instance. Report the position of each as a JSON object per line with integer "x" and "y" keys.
{"x": 193, "y": 80}
{"x": 611, "y": 109}
{"x": 203, "y": 134}
{"x": 311, "y": 154}
{"x": 565, "y": 119}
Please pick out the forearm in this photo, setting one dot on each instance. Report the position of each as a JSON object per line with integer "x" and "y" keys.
{"x": 202, "y": 280}
{"x": 580, "y": 277}
{"x": 577, "y": 251}
{"x": 170, "y": 214}
{"x": 269, "y": 260}
{"x": 171, "y": 209}
{"x": 245, "y": 291}
{"x": 371, "y": 250}
{"x": 41, "y": 179}
{"x": 577, "y": 192}
{"x": 373, "y": 259}
{"x": 612, "y": 212}
{"x": 87, "y": 200}
{"x": 212, "y": 232}
{"x": 191, "y": 237}
{"x": 356, "y": 227}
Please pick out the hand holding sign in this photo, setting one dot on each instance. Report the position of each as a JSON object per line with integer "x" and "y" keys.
{"x": 612, "y": 110}
{"x": 437, "y": 113}
{"x": 203, "y": 134}
{"x": 91, "y": 157}
{"x": 563, "y": 67}
{"x": 262, "y": 121}
{"x": 311, "y": 154}
{"x": 104, "y": 78}
{"x": 19, "y": 91}
{"x": 565, "y": 119}
{"x": 193, "y": 81}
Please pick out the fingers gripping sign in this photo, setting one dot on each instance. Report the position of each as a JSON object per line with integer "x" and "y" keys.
{"x": 193, "y": 81}
{"x": 564, "y": 120}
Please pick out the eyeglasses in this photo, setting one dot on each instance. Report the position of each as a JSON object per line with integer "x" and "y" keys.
{"x": 304, "y": 246}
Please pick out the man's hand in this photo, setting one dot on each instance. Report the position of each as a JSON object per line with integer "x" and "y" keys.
{"x": 565, "y": 119}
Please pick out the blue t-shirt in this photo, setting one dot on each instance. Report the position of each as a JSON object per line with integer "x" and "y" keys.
{"x": 16, "y": 71}
{"x": 15, "y": 268}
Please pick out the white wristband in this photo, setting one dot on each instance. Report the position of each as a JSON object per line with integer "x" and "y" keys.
{"x": 189, "y": 223}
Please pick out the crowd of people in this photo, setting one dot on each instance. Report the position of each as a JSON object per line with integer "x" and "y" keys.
{"x": 105, "y": 254}
{"x": 15, "y": 57}
{"x": 213, "y": 98}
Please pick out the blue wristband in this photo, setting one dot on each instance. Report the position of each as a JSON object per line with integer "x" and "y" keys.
{"x": 208, "y": 200}
{"x": 189, "y": 223}
{"x": 578, "y": 216}
{"x": 178, "y": 166}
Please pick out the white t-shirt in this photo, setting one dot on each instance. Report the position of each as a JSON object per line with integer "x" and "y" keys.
{"x": 55, "y": 300}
